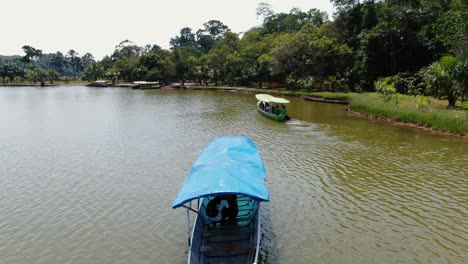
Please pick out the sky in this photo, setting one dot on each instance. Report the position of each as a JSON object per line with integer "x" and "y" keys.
{"x": 97, "y": 26}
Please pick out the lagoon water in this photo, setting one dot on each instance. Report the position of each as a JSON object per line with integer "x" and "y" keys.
{"x": 88, "y": 175}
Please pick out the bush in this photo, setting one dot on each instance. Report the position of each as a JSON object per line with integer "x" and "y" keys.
{"x": 406, "y": 83}
{"x": 306, "y": 83}
{"x": 385, "y": 86}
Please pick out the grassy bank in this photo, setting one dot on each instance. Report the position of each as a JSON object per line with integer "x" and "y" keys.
{"x": 422, "y": 111}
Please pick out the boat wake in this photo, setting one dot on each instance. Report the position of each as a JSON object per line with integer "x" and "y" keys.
{"x": 297, "y": 122}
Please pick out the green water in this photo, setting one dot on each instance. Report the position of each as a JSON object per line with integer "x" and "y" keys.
{"x": 88, "y": 175}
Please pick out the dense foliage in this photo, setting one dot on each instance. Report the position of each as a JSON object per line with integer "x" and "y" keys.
{"x": 419, "y": 45}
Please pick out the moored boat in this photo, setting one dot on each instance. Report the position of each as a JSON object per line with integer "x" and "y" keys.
{"x": 144, "y": 85}
{"x": 230, "y": 168}
{"x": 321, "y": 99}
{"x": 265, "y": 106}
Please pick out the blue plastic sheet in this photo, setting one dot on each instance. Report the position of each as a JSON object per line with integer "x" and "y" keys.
{"x": 227, "y": 165}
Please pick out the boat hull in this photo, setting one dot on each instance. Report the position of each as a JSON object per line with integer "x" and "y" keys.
{"x": 230, "y": 242}
{"x": 320, "y": 99}
{"x": 150, "y": 87}
{"x": 280, "y": 118}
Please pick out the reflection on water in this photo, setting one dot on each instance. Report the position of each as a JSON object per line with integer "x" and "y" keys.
{"x": 89, "y": 174}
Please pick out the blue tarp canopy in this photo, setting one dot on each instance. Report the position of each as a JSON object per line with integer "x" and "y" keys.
{"x": 227, "y": 165}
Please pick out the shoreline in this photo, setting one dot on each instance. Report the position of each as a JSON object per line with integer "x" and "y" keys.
{"x": 39, "y": 85}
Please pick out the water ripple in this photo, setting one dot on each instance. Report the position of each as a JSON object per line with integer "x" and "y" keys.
{"x": 88, "y": 176}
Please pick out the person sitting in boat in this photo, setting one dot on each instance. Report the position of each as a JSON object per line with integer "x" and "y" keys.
{"x": 267, "y": 107}
{"x": 283, "y": 110}
{"x": 216, "y": 208}
{"x": 233, "y": 209}
{"x": 277, "y": 110}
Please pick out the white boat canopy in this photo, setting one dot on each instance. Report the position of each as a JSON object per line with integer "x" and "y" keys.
{"x": 271, "y": 99}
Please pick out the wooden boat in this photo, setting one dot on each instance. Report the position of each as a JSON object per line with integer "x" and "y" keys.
{"x": 321, "y": 99}
{"x": 229, "y": 165}
{"x": 264, "y": 99}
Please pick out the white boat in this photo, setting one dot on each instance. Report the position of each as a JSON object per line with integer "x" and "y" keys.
{"x": 265, "y": 106}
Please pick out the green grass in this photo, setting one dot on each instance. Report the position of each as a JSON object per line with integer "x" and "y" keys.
{"x": 422, "y": 111}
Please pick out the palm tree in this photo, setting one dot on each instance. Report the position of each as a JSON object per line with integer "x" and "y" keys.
{"x": 72, "y": 57}
{"x": 443, "y": 78}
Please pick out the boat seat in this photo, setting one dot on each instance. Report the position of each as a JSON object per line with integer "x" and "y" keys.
{"x": 208, "y": 249}
{"x": 239, "y": 219}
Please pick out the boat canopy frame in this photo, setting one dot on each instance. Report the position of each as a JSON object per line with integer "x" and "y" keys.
{"x": 227, "y": 165}
{"x": 271, "y": 99}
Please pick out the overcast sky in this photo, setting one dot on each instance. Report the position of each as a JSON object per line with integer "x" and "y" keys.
{"x": 97, "y": 26}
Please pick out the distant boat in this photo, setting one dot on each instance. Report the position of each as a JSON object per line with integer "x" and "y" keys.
{"x": 99, "y": 83}
{"x": 321, "y": 99}
{"x": 265, "y": 107}
{"x": 229, "y": 166}
{"x": 143, "y": 85}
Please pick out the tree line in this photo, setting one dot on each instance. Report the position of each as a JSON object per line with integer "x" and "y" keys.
{"x": 38, "y": 67}
{"x": 403, "y": 46}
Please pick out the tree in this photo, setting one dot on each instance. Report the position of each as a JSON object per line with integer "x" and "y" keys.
{"x": 113, "y": 75}
{"x": 31, "y": 55}
{"x": 186, "y": 38}
{"x": 52, "y": 75}
{"x": 326, "y": 57}
{"x": 126, "y": 68}
{"x": 185, "y": 60}
{"x": 94, "y": 72}
{"x": 9, "y": 70}
{"x": 37, "y": 74}
{"x": 59, "y": 62}
{"x": 87, "y": 60}
{"x": 218, "y": 55}
{"x": 159, "y": 65}
{"x": 207, "y": 37}
{"x": 316, "y": 17}
{"x": 461, "y": 73}
{"x": 443, "y": 79}
{"x": 126, "y": 49}
{"x": 126, "y": 59}
{"x": 264, "y": 10}
{"x": 73, "y": 61}
{"x": 254, "y": 58}
{"x": 107, "y": 62}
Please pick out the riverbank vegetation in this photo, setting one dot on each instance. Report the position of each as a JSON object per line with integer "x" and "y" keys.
{"x": 417, "y": 48}
{"x": 422, "y": 111}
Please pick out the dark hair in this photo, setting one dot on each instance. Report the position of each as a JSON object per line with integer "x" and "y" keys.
{"x": 211, "y": 207}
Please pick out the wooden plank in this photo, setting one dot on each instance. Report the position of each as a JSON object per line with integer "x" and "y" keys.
{"x": 207, "y": 249}
{"x": 228, "y": 232}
